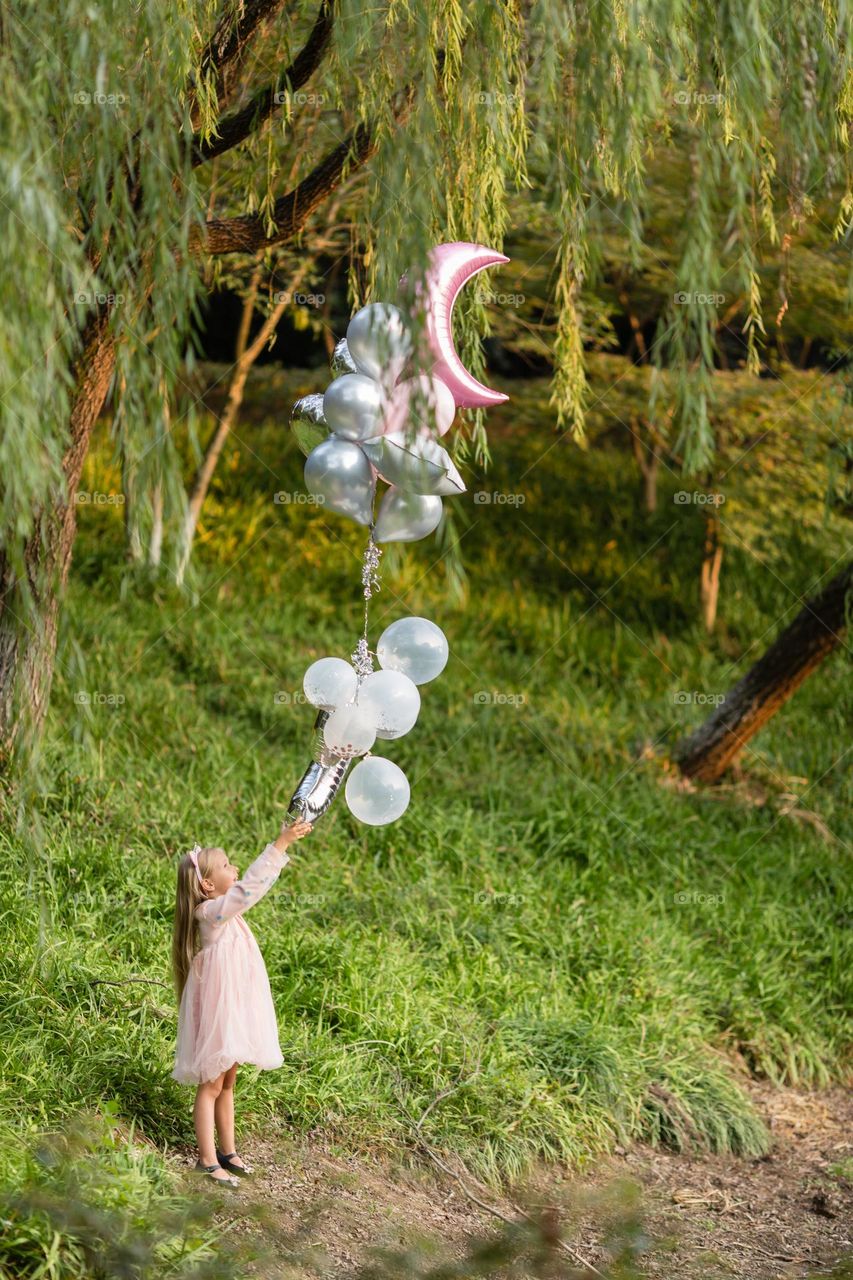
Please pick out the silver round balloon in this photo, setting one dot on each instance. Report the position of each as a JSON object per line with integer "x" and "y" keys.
{"x": 342, "y": 361}
{"x": 379, "y": 342}
{"x": 415, "y": 646}
{"x": 353, "y": 406}
{"x": 405, "y": 516}
{"x": 339, "y": 474}
{"x": 307, "y": 422}
{"x": 421, "y": 467}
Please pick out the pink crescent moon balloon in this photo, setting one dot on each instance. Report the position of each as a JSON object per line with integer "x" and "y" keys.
{"x": 450, "y": 266}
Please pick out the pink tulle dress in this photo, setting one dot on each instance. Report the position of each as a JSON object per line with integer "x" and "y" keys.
{"x": 226, "y": 1013}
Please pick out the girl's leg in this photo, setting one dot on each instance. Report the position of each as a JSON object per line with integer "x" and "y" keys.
{"x": 224, "y": 1114}
{"x": 203, "y": 1115}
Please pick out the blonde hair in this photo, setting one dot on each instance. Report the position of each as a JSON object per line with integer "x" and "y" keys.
{"x": 185, "y": 937}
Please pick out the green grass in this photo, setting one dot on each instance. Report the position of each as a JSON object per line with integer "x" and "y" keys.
{"x": 575, "y": 948}
{"x": 95, "y": 1202}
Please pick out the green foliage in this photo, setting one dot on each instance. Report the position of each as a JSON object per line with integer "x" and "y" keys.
{"x": 90, "y": 1201}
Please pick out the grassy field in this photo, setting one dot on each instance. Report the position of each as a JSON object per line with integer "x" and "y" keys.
{"x": 573, "y": 946}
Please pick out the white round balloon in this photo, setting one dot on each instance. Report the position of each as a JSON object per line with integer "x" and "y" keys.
{"x": 330, "y": 683}
{"x": 415, "y": 646}
{"x": 392, "y": 699}
{"x": 349, "y": 731}
{"x": 377, "y": 791}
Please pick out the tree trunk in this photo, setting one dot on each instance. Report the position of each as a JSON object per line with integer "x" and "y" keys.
{"x": 245, "y": 357}
{"x": 132, "y": 537}
{"x": 648, "y": 466}
{"x": 710, "y": 573}
{"x": 815, "y": 632}
{"x": 204, "y": 475}
{"x": 155, "y": 542}
{"x": 27, "y": 635}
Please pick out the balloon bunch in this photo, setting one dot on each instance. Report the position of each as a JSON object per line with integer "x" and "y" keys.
{"x": 382, "y": 704}
{"x": 355, "y": 433}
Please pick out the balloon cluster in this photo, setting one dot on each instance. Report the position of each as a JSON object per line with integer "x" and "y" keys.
{"x": 366, "y": 410}
{"x": 380, "y": 704}
{"x": 358, "y": 431}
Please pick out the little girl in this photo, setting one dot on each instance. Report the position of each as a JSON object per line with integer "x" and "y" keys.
{"x": 226, "y": 1014}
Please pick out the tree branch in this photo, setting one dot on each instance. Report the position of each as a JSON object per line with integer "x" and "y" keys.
{"x": 224, "y": 52}
{"x": 247, "y": 234}
{"x": 236, "y": 128}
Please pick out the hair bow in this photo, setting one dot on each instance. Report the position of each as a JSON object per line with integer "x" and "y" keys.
{"x": 194, "y": 852}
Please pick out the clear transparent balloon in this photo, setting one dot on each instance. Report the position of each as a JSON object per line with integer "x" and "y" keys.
{"x": 350, "y": 731}
{"x": 330, "y": 683}
{"x": 392, "y": 699}
{"x": 415, "y": 647}
{"x": 377, "y": 791}
{"x": 421, "y": 402}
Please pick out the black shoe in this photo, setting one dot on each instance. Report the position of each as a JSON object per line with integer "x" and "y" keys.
{"x": 226, "y": 1163}
{"x": 210, "y": 1169}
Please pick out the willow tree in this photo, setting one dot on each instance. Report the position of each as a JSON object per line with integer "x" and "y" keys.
{"x": 114, "y": 115}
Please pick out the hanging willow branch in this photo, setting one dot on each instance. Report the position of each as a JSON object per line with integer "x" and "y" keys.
{"x": 234, "y": 129}
{"x": 437, "y": 117}
{"x": 247, "y": 234}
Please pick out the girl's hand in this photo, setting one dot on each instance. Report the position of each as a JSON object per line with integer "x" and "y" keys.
{"x": 289, "y": 835}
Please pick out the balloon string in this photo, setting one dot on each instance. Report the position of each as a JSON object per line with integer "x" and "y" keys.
{"x": 361, "y": 654}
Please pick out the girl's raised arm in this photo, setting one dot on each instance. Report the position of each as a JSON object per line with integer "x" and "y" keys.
{"x": 259, "y": 878}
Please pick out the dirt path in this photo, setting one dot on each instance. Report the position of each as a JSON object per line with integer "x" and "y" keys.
{"x": 789, "y": 1214}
